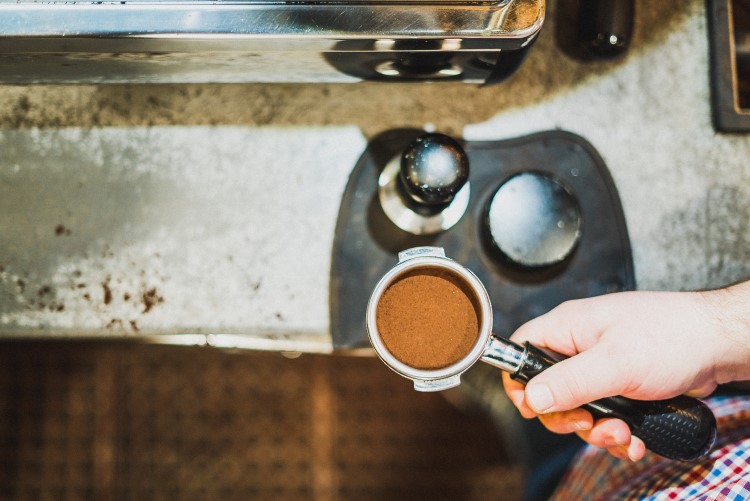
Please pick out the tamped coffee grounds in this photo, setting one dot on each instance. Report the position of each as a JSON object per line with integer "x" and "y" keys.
{"x": 428, "y": 319}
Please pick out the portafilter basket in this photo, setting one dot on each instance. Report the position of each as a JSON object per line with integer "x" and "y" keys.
{"x": 682, "y": 428}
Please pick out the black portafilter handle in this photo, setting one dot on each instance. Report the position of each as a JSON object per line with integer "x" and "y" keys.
{"x": 682, "y": 428}
{"x": 434, "y": 168}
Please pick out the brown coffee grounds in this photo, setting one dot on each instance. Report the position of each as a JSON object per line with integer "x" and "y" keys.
{"x": 428, "y": 319}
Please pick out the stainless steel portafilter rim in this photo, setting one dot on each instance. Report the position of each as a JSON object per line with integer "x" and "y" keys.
{"x": 437, "y": 379}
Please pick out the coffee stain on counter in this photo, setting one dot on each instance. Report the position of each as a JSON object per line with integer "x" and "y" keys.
{"x": 118, "y": 302}
{"x": 107, "y": 291}
{"x": 61, "y": 230}
{"x": 151, "y": 298}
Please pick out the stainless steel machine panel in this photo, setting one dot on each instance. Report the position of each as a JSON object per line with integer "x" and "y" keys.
{"x": 267, "y": 41}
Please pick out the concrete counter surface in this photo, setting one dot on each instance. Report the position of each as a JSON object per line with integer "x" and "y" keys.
{"x": 201, "y": 211}
{"x": 171, "y": 230}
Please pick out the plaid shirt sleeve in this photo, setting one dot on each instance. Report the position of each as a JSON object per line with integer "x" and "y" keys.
{"x": 722, "y": 475}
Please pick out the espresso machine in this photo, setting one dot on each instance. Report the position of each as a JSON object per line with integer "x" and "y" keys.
{"x": 189, "y": 41}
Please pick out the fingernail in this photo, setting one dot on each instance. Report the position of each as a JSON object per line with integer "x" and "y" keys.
{"x": 620, "y": 452}
{"x": 612, "y": 442}
{"x": 582, "y": 425}
{"x": 631, "y": 450}
{"x": 539, "y": 398}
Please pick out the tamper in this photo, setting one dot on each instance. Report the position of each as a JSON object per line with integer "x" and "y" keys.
{"x": 425, "y": 189}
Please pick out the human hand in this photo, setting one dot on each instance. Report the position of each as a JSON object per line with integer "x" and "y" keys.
{"x": 641, "y": 345}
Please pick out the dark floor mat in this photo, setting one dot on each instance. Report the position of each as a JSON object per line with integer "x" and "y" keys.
{"x": 96, "y": 421}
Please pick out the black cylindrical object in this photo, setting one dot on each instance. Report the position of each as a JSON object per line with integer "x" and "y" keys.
{"x": 605, "y": 27}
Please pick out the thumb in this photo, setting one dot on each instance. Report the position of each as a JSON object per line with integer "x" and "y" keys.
{"x": 575, "y": 381}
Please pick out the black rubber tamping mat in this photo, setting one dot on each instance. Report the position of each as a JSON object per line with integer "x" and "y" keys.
{"x": 367, "y": 243}
{"x": 125, "y": 421}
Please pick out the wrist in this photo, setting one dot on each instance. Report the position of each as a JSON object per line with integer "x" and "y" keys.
{"x": 728, "y": 310}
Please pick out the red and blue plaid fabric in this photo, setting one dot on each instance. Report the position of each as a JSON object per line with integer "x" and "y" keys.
{"x": 722, "y": 475}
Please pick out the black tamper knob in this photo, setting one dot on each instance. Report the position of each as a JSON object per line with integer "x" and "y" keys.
{"x": 533, "y": 220}
{"x": 434, "y": 167}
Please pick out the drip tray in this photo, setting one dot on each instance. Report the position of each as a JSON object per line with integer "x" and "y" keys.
{"x": 122, "y": 421}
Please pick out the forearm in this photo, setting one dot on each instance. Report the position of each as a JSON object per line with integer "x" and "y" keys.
{"x": 729, "y": 309}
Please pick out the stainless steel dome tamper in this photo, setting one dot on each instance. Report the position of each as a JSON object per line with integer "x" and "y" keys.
{"x": 425, "y": 190}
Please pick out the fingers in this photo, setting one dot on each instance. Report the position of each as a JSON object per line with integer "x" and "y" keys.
{"x": 611, "y": 434}
{"x": 588, "y": 376}
{"x": 595, "y": 370}
{"x": 633, "y": 451}
{"x": 702, "y": 391}
{"x": 517, "y": 393}
{"x": 607, "y": 433}
{"x": 614, "y": 435}
{"x": 569, "y": 328}
{"x": 558, "y": 422}
{"x": 574, "y": 421}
